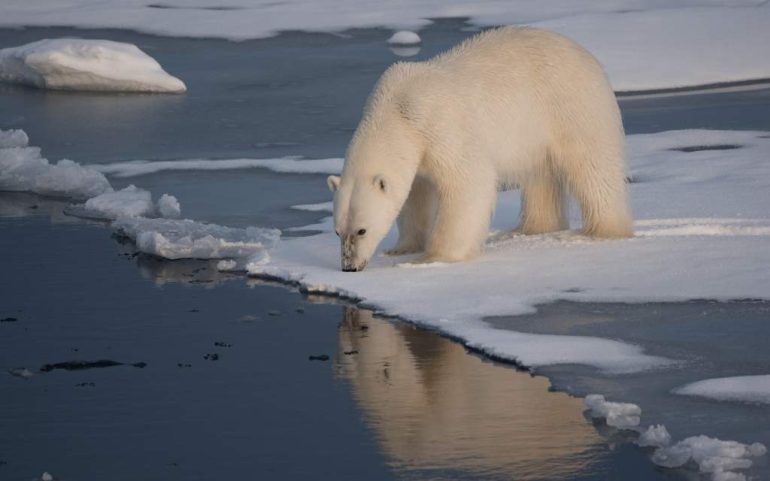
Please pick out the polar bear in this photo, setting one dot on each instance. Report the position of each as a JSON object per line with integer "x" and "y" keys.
{"x": 509, "y": 107}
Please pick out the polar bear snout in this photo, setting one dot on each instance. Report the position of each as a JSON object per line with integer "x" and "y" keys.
{"x": 349, "y": 254}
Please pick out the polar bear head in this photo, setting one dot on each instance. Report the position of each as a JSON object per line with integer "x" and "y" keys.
{"x": 364, "y": 211}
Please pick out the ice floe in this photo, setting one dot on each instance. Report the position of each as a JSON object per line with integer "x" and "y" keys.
{"x": 284, "y": 165}
{"x": 404, "y": 37}
{"x": 188, "y": 239}
{"x": 23, "y": 169}
{"x": 617, "y": 415}
{"x": 655, "y": 44}
{"x": 130, "y": 201}
{"x": 750, "y": 389}
{"x": 717, "y": 458}
{"x": 79, "y": 64}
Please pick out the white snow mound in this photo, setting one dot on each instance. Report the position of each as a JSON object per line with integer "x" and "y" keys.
{"x": 655, "y": 436}
{"x": 169, "y": 207}
{"x": 404, "y": 37}
{"x": 751, "y": 389}
{"x": 618, "y": 415}
{"x": 78, "y": 64}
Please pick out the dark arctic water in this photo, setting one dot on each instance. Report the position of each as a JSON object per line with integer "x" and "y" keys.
{"x": 407, "y": 405}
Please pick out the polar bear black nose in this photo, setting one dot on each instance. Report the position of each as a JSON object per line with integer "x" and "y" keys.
{"x": 349, "y": 269}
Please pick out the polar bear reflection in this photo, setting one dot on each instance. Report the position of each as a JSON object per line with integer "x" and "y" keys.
{"x": 436, "y": 407}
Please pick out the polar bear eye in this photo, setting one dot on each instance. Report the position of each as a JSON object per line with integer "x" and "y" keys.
{"x": 337, "y": 232}
{"x": 361, "y": 231}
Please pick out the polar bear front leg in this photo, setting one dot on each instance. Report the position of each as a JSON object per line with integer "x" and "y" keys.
{"x": 416, "y": 219}
{"x": 465, "y": 207}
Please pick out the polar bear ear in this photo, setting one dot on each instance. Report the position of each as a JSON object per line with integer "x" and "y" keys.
{"x": 379, "y": 181}
{"x": 333, "y": 182}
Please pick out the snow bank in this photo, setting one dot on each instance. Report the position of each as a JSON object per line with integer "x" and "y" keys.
{"x": 655, "y": 44}
{"x": 23, "y": 169}
{"x": 751, "y": 389}
{"x": 718, "y": 458}
{"x": 77, "y": 64}
{"x": 187, "y": 239}
{"x": 618, "y": 415}
{"x": 404, "y": 37}
{"x": 284, "y": 165}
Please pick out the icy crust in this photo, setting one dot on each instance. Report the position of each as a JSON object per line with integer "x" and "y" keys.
{"x": 78, "y": 64}
{"x": 284, "y": 165}
{"x": 750, "y": 389}
{"x": 23, "y": 169}
{"x": 675, "y": 43}
{"x": 718, "y": 459}
{"x": 187, "y": 239}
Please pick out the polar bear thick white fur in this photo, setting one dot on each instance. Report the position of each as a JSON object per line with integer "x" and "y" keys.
{"x": 509, "y": 107}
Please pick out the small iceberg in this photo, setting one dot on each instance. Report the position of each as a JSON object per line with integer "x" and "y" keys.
{"x": 404, "y": 37}
{"x": 89, "y": 65}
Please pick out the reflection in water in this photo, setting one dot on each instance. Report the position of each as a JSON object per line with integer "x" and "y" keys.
{"x": 405, "y": 51}
{"x": 438, "y": 409}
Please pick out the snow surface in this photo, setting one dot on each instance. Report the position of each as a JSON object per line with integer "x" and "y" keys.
{"x": 644, "y": 44}
{"x": 404, "y": 37}
{"x": 751, "y": 389}
{"x": 285, "y": 165}
{"x": 78, "y": 64}
{"x": 618, "y": 415}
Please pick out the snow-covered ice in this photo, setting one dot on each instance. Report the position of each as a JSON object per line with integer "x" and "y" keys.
{"x": 79, "y": 64}
{"x": 169, "y": 207}
{"x": 23, "y": 169}
{"x": 651, "y": 44}
{"x": 617, "y": 415}
{"x": 750, "y": 389}
{"x": 130, "y": 201}
{"x": 188, "y": 239}
{"x": 404, "y": 37}
{"x": 713, "y": 456}
{"x": 655, "y": 436}
{"x": 284, "y": 165}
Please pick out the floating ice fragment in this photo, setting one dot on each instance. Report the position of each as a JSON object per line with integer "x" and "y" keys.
{"x": 187, "y": 239}
{"x": 720, "y": 458}
{"x": 78, "y": 64}
{"x": 226, "y": 265}
{"x": 13, "y": 138}
{"x": 130, "y": 202}
{"x": 404, "y": 37}
{"x": 46, "y": 477}
{"x": 752, "y": 389}
{"x": 23, "y": 169}
{"x": 618, "y": 415}
{"x": 655, "y": 436}
{"x": 169, "y": 207}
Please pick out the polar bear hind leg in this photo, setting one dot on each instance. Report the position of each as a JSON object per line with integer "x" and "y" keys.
{"x": 595, "y": 175}
{"x": 543, "y": 207}
{"x": 416, "y": 219}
